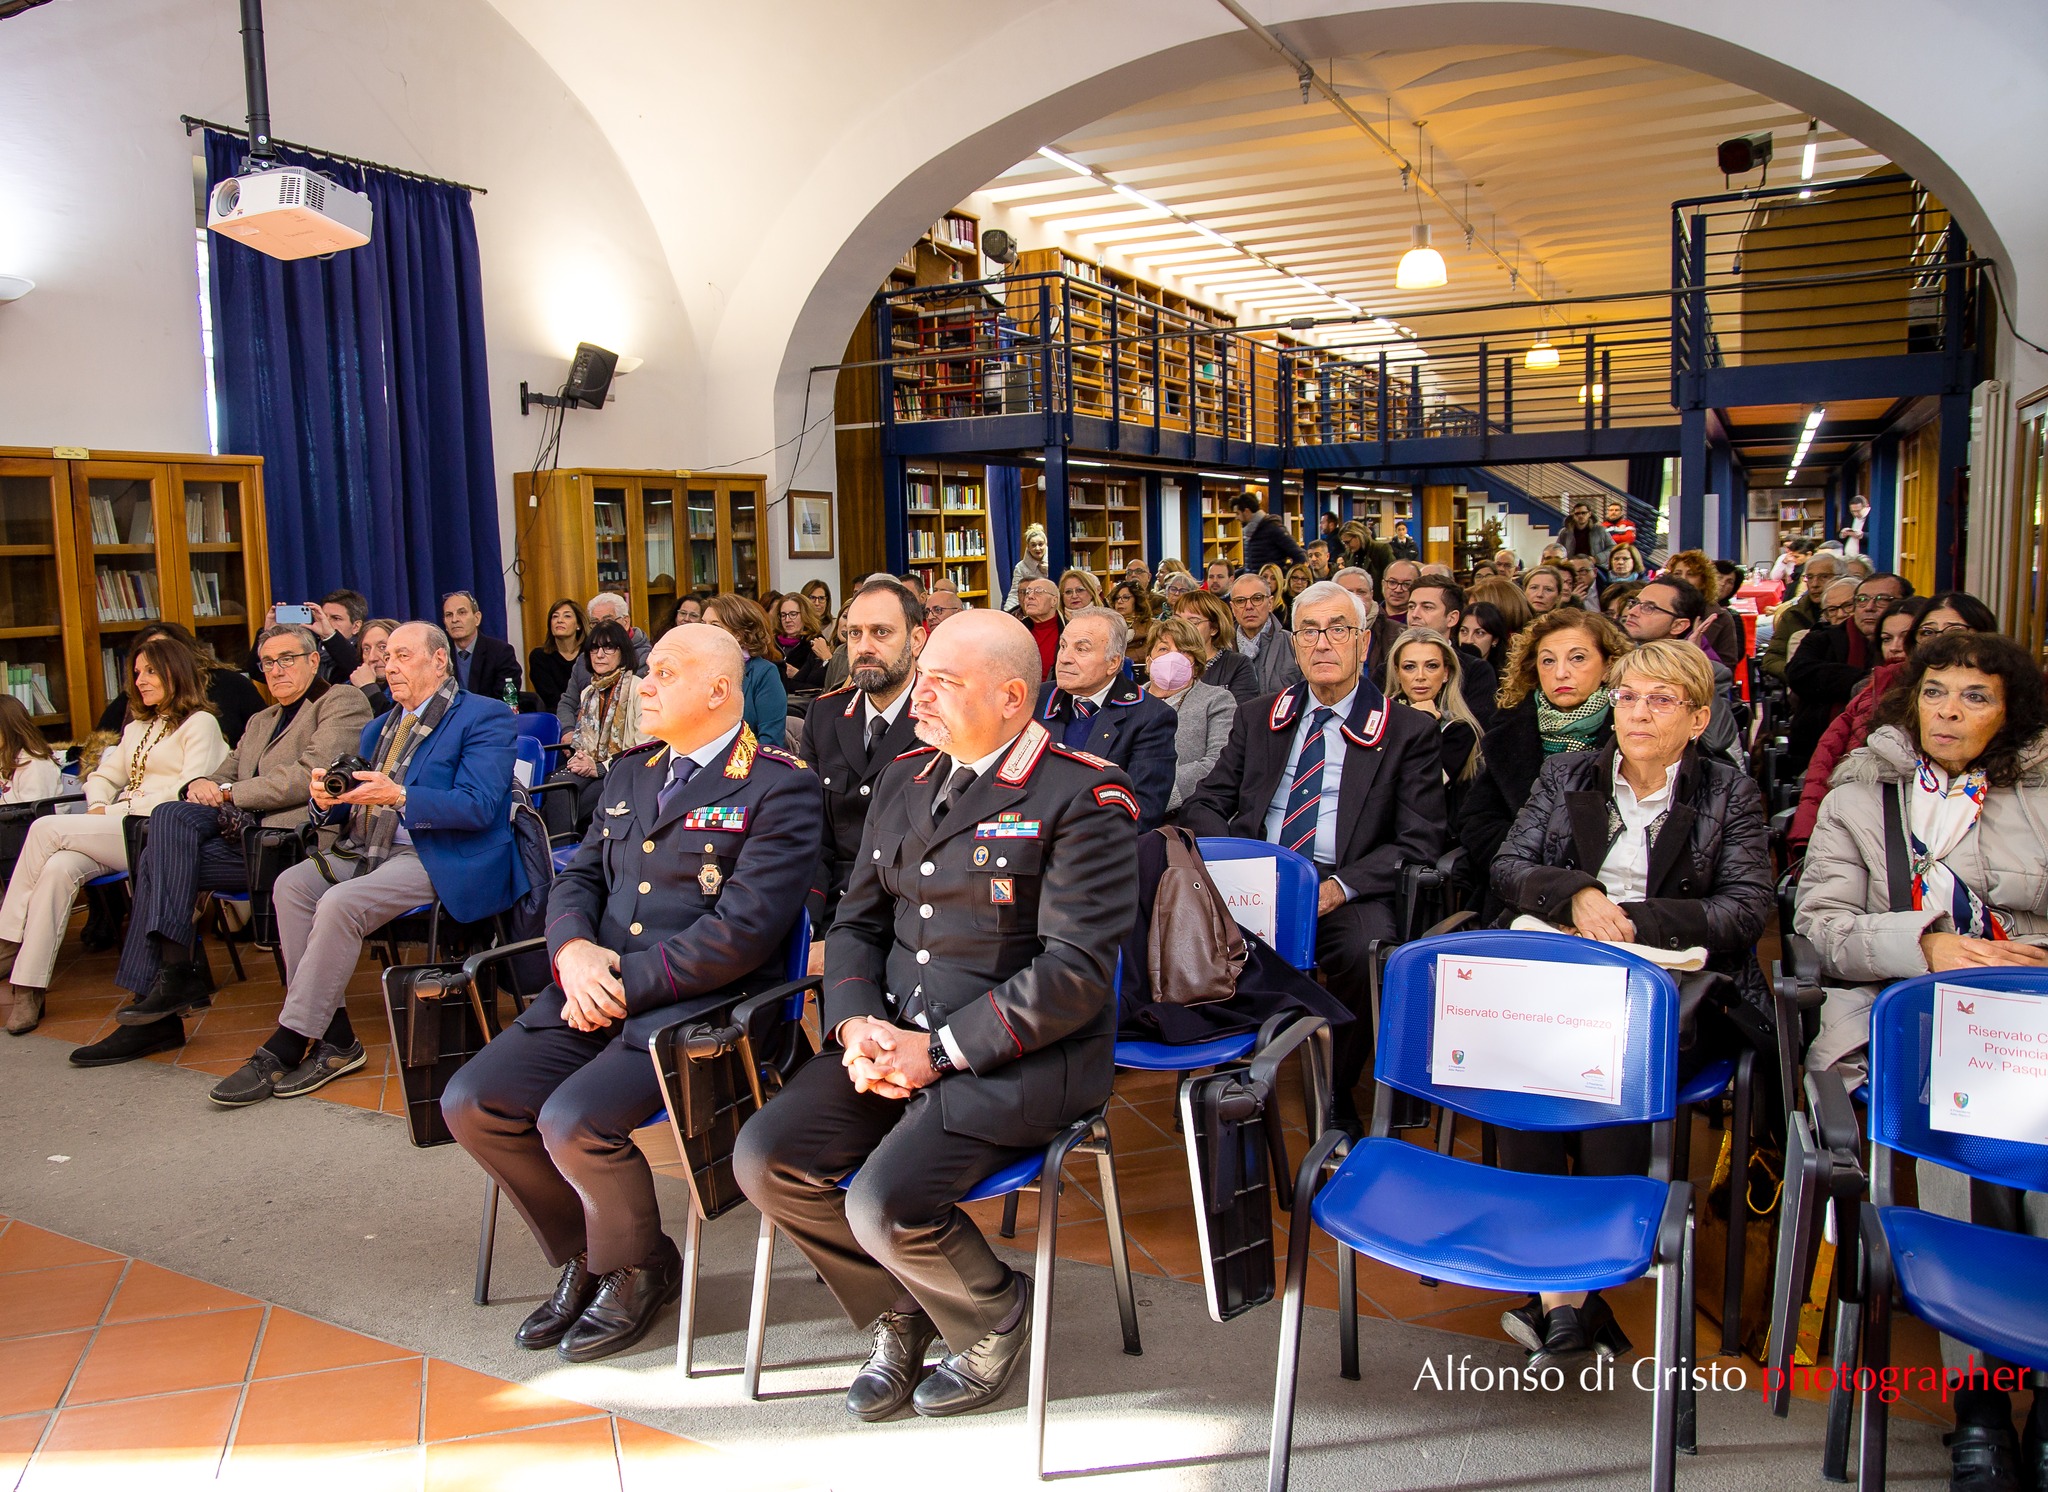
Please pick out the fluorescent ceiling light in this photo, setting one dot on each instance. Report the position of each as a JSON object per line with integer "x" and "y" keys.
{"x": 1813, "y": 420}
{"x": 1065, "y": 160}
{"x": 1812, "y": 150}
{"x": 1139, "y": 197}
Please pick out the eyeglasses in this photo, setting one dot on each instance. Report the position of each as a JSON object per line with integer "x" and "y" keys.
{"x": 281, "y": 662}
{"x": 1872, "y": 603}
{"x": 1639, "y": 604}
{"x": 1841, "y": 609}
{"x": 1338, "y": 634}
{"x": 1661, "y": 705}
{"x": 1254, "y": 600}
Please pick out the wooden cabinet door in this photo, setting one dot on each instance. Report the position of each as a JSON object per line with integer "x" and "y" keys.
{"x": 222, "y": 585}
{"x": 120, "y": 513}
{"x": 659, "y": 504}
{"x": 43, "y": 656}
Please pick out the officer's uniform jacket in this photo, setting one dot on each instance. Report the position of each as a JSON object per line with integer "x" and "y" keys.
{"x": 696, "y": 898}
{"x": 1132, "y": 729}
{"x": 1390, "y": 800}
{"x": 1001, "y": 925}
{"x": 835, "y": 735}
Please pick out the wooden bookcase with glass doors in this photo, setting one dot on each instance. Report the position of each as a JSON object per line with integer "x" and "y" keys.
{"x": 95, "y": 545}
{"x": 652, "y": 536}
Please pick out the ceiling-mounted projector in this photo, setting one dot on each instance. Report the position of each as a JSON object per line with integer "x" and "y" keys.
{"x": 289, "y": 213}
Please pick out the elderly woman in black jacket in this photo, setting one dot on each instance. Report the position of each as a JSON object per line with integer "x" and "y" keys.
{"x": 1646, "y": 840}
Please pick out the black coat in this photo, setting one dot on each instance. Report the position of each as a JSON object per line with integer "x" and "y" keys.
{"x": 809, "y": 669}
{"x": 549, "y": 671}
{"x": 1267, "y": 542}
{"x": 1390, "y": 799}
{"x": 1823, "y": 678}
{"x": 492, "y": 662}
{"x": 1230, "y": 669}
{"x": 697, "y": 897}
{"x": 1479, "y": 684}
{"x": 1029, "y": 887}
{"x": 1710, "y": 881}
{"x": 835, "y": 737}
{"x": 1514, "y": 755}
{"x": 1133, "y": 730}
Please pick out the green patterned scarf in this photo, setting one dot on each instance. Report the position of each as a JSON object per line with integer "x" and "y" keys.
{"x": 1572, "y": 730}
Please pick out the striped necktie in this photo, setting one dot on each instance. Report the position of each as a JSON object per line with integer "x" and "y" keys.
{"x": 1304, "y": 802}
{"x": 1079, "y": 724}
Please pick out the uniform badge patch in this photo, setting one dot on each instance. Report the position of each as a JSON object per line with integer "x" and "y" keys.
{"x": 980, "y": 855}
{"x": 732, "y": 816}
{"x": 709, "y": 880}
{"x": 1002, "y": 891}
{"x": 1109, "y": 795}
{"x": 741, "y": 762}
{"x": 616, "y": 809}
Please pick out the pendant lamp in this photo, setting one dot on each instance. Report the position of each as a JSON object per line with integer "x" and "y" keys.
{"x": 1422, "y": 267}
{"x": 1541, "y": 357}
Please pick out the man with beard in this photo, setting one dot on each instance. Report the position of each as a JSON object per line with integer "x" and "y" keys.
{"x": 853, "y": 733}
{"x": 968, "y": 996}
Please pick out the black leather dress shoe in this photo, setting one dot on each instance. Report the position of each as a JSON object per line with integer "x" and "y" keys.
{"x": 553, "y": 1317}
{"x": 625, "y": 1305}
{"x": 975, "y": 1378}
{"x": 887, "y": 1379}
{"x": 127, "y": 1043}
{"x": 1982, "y": 1458}
{"x": 2033, "y": 1460}
{"x": 1525, "y": 1323}
{"x": 178, "y": 989}
{"x": 1570, "y": 1332}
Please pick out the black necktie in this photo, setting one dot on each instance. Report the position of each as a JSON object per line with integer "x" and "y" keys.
{"x": 877, "y": 728}
{"x": 956, "y": 785}
{"x": 680, "y": 771}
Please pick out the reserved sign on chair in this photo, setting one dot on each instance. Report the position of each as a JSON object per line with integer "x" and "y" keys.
{"x": 1251, "y": 890}
{"x": 1522, "y": 1026}
{"x": 1988, "y": 1072}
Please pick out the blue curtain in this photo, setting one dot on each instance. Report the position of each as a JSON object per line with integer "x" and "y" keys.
{"x": 360, "y": 380}
{"x": 1006, "y": 524}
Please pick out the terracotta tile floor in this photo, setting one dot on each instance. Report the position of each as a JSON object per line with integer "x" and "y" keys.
{"x": 1151, "y": 1164}
{"x": 121, "y": 1374}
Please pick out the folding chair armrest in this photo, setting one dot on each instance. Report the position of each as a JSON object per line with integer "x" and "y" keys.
{"x": 1671, "y": 1226}
{"x": 1275, "y": 1049}
{"x": 36, "y": 808}
{"x": 1449, "y": 863}
{"x": 1450, "y": 924}
{"x": 1834, "y": 1116}
{"x": 477, "y": 962}
{"x": 545, "y": 786}
{"x": 754, "y": 1013}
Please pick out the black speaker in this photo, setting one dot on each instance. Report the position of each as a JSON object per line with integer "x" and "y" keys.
{"x": 590, "y": 375}
{"x": 1744, "y": 153}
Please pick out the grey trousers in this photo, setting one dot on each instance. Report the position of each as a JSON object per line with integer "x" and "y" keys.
{"x": 321, "y": 928}
{"x": 1947, "y": 1194}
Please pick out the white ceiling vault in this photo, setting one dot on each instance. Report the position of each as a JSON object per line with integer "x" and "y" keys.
{"x": 1569, "y": 161}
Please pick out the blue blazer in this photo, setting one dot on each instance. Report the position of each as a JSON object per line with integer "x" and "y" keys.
{"x": 1133, "y": 730}
{"x": 458, "y": 805}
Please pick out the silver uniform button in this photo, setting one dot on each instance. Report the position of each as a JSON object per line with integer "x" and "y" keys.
{"x": 863, "y": 789}
{"x": 878, "y": 854}
{"x": 924, "y": 955}
{"x": 927, "y": 868}
{"x": 924, "y": 911}
{"x": 1001, "y": 862}
{"x": 828, "y": 782}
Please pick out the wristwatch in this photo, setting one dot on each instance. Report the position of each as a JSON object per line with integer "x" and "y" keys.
{"x": 401, "y": 798}
{"x": 227, "y": 792}
{"x": 940, "y": 1058}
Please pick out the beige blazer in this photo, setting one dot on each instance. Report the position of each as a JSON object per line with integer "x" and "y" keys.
{"x": 273, "y": 778}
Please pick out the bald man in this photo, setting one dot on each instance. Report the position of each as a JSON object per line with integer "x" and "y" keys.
{"x": 968, "y": 1000}
{"x": 678, "y": 904}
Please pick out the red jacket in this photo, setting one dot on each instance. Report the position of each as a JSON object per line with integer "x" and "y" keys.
{"x": 1843, "y": 736}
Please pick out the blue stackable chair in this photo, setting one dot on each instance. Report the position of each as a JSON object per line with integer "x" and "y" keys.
{"x": 1449, "y": 1219}
{"x": 1983, "y": 1286}
{"x": 526, "y": 748}
{"x": 1042, "y": 1173}
{"x": 789, "y": 996}
{"x": 539, "y": 726}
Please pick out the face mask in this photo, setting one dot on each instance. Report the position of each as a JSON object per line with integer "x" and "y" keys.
{"x": 1172, "y": 672}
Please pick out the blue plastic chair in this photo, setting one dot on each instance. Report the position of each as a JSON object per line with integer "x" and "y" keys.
{"x": 526, "y": 748}
{"x": 539, "y": 727}
{"x": 1042, "y": 1172}
{"x": 1449, "y": 1219}
{"x": 1983, "y": 1286}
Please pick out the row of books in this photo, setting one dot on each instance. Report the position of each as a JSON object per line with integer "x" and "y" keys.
{"x": 966, "y": 578}
{"x": 206, "y": 593}
{"x": 110, "y": 672}
{"x": 925, "y": 496}
{"x": 30, "y": 684}
{"x": 206, "y": 517}
{"x": 127, "y": 595}
{"x": 106, "y": 526}
{"x": 955, "y": 543}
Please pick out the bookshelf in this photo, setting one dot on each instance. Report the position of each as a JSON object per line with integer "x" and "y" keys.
{"x": 651, "y": 536}
{"x": 1105, "y": 523}
{"x": 1802, "y": 510}
{"x": 1222, "y": 534}
{"x": 95, "y": 545}
{"x": 946, "y": 528}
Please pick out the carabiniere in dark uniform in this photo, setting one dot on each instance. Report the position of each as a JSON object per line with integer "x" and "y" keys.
{"x": 835, "y": 735}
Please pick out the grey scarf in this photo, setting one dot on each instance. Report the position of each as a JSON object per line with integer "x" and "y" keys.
{"x": 372, "y": 830}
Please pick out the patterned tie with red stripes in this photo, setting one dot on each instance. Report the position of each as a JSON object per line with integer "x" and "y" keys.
{"x": 1304, "y": 801}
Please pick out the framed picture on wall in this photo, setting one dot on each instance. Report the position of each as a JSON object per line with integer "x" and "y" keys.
{"x": 1763, "y": 505}
{"x": 810, "y": 525}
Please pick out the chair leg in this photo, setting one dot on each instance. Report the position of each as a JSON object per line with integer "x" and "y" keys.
{"x": 1119, "y": 1249}
{"x": 1489, "y": 1148}
{"x": 1009, "y": 1227}
{"x": 486, "y": 1242}
{"x": 1446, "y": 1130}
{"x": 277, "y": 957}
{"x": 1849, "y": 1298}
{"x": 1877, "y": 1357}
{"x": 1663, "y": 1394}
{"x": 1688, "y": 1344}
{"x": 1347, "y": 1313}
{"x": 220, "y": 924}
{"x": 757, "y": 1313}
{"x": 686, "y": 1318}
{"x": 1796, "y": 1229}
{"x": 1738, "y": 1204}
{"x": 1041, "y": 1307}
{"x": 1291, "y": 1300}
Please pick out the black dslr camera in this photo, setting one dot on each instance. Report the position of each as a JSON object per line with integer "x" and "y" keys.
{"x": 341, "y": 777}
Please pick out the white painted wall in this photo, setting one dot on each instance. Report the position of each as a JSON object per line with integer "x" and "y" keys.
{"x": 96, "y": 206}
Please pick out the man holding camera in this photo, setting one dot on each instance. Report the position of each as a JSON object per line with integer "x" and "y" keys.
{"x": 429, "y": 816}
{"x": 195, "y": 844}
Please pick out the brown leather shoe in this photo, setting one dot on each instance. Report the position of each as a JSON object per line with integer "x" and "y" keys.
{"x": 27, "y": 1013}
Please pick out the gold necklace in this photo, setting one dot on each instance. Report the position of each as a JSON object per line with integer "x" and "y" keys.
{"x": 139, "y": 763}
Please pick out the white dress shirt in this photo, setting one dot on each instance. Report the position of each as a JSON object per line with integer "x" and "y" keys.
{"x": 869, "y": 714}
{"x": 1325, "y": 846}
{"x": 1626, "y": 870}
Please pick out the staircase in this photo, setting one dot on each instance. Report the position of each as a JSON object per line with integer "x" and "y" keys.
{"x": 1545, "y": 490}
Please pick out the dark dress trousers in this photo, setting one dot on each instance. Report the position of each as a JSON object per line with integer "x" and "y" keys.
{"x": 1390, "y": 811}
{"x": 999, "y": 924}
{"x": 492, "y": 663}
{"x": 697, "y": 898}
{"x": 836, "y": 736}
{"x": 1133, "y": 730}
